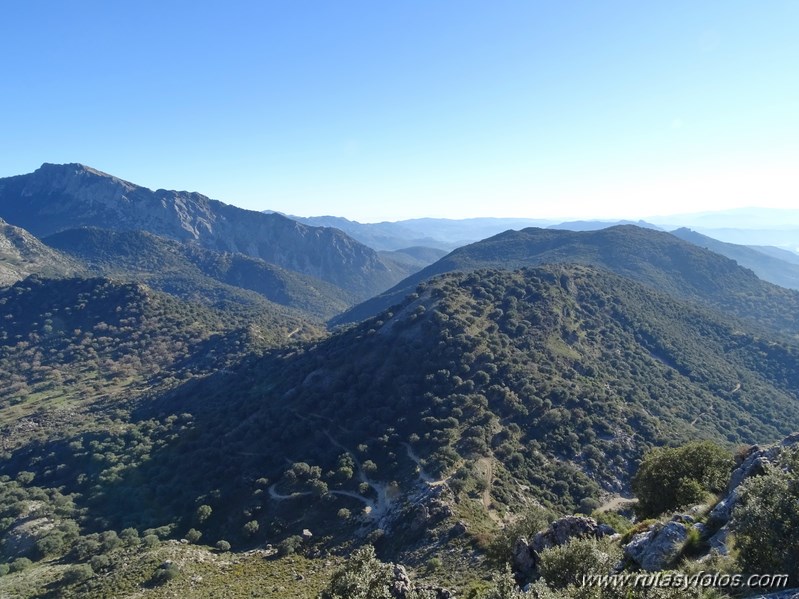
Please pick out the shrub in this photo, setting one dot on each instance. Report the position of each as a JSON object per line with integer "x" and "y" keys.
{"x": 223, "y": 545}
{"x": 434, "y": 564}
{"x": 251, "y": 528}
{"x": 20, "y": 564}
{"x": 504, "y": 587}
{"x": 78, "y": 573}
{"x": 533, "y": 520}
{"x": 616, "y": 521}
{"x": 567, "y": 564}
{"x": 366, "y": 577}
{"x": 168, "y": 571}
{"x": 669, "y": 478}
{"x": 765, "y": 521}
{"x": 203, "y": 513}
{"x": 129, "y": 536}
{"x": 289, "y": 545}
{"x": 100, "y": 562}
{"x": 193, "y": 535}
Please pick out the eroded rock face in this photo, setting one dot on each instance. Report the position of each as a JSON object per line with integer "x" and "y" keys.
{"x": 657, "y": 548}
{"x": 524, "y": 559}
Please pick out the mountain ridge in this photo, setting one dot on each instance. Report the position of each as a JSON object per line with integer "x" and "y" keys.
{"x": 59, "y": 197}
{"x": 189, "y": 270}
{"x": 22, "y": 254}
{"x": 656, "y": 258}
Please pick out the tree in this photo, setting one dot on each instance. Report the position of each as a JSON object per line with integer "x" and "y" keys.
{"x": 78, "y": 573}
{"x": 503, "y": 587}
{"x": 566, "y": 565}
{"x": 366, "y": 577}
{"x": 251, "y": 528}
{"x": 203, "y": 513}
{"x": 765, "y": 521}
{"x": 669, "y": 478}
{"x": 193, "y": 535}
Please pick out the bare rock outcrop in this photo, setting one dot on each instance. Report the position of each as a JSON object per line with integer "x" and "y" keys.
{"x": 657, "y": 548}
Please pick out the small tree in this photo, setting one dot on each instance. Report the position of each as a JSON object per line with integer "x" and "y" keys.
{"x": 765, "y": 522}
{"x": 366, "y": 577}
{"x": 251, "y": 528}
{"x": 193, "y": 535}
{"x": 566, "y": 565}
{"x": 203, "y": 513}
{"x": 78, "y": 573}
{"x": 669, "y": 478}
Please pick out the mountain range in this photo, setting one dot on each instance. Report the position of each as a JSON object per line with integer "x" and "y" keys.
{"x": 170, "y": 385}
{"x": 59, "y": 197}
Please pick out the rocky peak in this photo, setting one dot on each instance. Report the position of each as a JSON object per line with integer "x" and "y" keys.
{"x": 57, "y": 197}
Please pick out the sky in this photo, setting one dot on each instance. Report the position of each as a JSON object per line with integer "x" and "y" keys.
{"x": 390, "y": 110}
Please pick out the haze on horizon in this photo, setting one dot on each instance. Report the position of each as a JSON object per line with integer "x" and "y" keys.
{"x": 385, "y": 112}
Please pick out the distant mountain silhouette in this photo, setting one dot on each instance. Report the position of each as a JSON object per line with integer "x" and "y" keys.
{"x": 763, "y": 262}
{"x": 595, "y": 225}
{"x": 441, "y": 233}
{"x": 59, "y": 197}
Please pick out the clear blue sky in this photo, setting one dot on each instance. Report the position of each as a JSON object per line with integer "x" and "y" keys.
{"x": 387, "y": 110}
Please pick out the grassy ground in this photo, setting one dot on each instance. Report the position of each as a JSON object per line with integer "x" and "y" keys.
{"x": 203, "y": 573}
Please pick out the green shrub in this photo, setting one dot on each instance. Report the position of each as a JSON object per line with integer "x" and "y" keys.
{"x": 765, "y": 523}
{"x": 20, "y": 564}
{"x": 168, "y": 571}
{"x": 434, "y": 564}
{"x": 616, "y": 521}
{"x": 193, "y": 535}
{"x": 533, "y": 520}
{"x": 289, "y": 545}
{"x": 100, "y": 562}
{"x": 78, "y": 573}
{"x": 566, "y": 564}
{"x": 222, "y": 545}
{"x": 669, "y": 478}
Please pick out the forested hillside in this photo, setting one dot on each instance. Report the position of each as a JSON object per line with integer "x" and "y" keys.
{"x": 657, "y": 259}
{"x": 195, "y": 273}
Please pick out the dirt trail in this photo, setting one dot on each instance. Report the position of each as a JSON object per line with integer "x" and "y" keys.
{"x": 487, "y": 468}
{"x": 374, "y": 509}
{"x": 423, "y": 476}
{"x": 616, "y": 502}
{"x": 281, "y": 497}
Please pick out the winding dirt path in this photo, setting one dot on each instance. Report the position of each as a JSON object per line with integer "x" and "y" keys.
{"x": 374, "y": 509}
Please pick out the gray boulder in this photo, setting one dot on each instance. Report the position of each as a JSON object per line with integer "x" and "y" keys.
{"x": 658, "y": 547}
{"x": 718, "y": 542}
